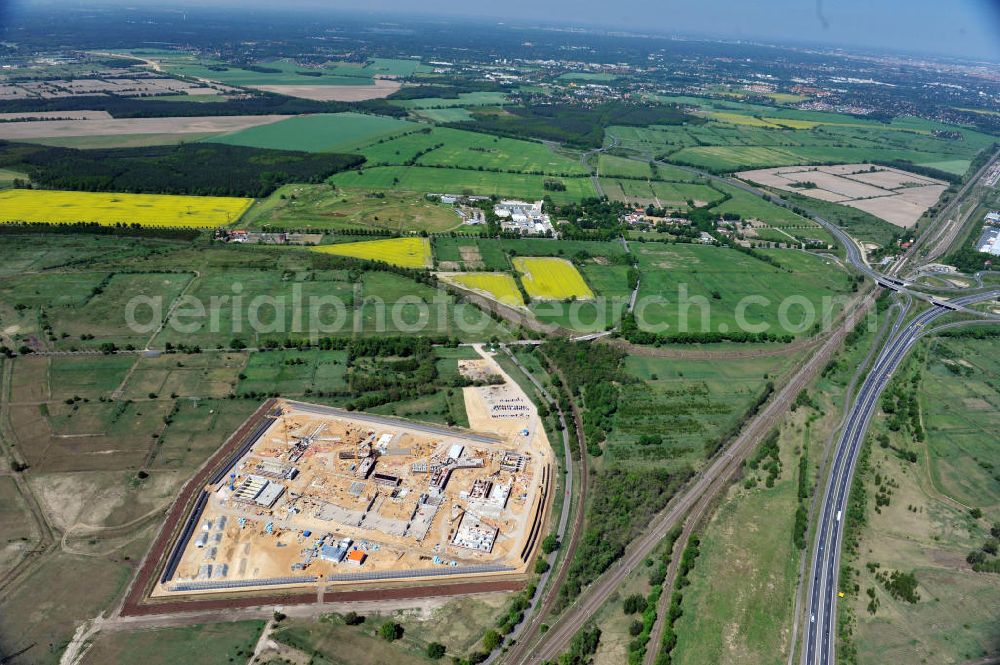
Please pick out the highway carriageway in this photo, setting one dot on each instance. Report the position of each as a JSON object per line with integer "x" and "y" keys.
{"x": 712, "y": 480}
{"x": 824, "y": 570}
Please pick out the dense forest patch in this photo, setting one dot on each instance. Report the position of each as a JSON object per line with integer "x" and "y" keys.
{"x": 572, "y": 125}
{"x": 206, "y": 169}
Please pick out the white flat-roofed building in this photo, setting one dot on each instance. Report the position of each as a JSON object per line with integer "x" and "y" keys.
{"x": 270, "y": 495}
{"x": 250, "y": 488}
{"x": 523, "y": 217}
{"x": 989, "y": 241}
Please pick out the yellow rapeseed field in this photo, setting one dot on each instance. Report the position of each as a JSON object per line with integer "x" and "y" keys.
{"x": 109, "y": 209}
{"x": 499, "y": 286}
{"x": 753, "y": 121}
{"x": 551, "y": 278}
{"x": 402, "y": 252}
{"x": 794, "y": 124}
{"x": 739, "y": 119}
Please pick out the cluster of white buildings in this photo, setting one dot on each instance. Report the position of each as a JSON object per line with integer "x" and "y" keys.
{"x": 523, "y": 217}
{"x": 989, "y": 241}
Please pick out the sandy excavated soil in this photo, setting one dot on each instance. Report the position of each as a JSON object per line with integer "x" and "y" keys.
{"x": 898, "y": 197}
{"x": 328, "y": 498}
{"x": 336, "y": 93}
{"x": 100, "y": 126}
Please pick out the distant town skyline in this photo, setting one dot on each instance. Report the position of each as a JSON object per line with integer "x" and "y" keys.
{"x": 962, "y": 28}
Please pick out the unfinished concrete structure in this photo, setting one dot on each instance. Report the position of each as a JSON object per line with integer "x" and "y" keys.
{"x": 317, "y": 495}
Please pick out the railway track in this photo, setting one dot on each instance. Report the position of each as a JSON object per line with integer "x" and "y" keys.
{"x": 522, "y": 649}
{"x": 703, "y": 488}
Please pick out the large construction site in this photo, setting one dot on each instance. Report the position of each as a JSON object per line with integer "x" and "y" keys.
{"x": 315, "y": 495}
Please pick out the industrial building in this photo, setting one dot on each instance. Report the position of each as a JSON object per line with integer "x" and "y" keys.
{"x": 523, "y": 217}
{"x": 989, "y": 240}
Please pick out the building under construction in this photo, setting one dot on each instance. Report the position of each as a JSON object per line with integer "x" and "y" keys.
{"x": 325, "y": 494}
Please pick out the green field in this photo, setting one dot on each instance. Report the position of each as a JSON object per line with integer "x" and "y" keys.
{"x": 960, "y": 444}
{"x": 461, "y": 181}
{"x": 332, "y": 641}
{"x": 748, "y": 543}
{"x": 283, "y": 287}
{"x": 469, "y": 254}
{"x": 737, "y": 140}
{"x": 201, "y": 644}
{"x": 740, "y": 600}
{"x": 122, "y": 140}
{"x": 396, "y": 305}
{"x": 25, "y": 254}
{"x": 459, "y": 149}
{"x": 751, "y": 206}
{"x": 85, "y": 303}
{"x": 662, "y": 194}
{"x": 611, "y": 166}
{"x": 464, "y": 99}
{"x": 204, "y": 375}
{"x": 69, "y": 376}
{"x": 715, "y": 281}
{"x": 786, "y": 226}
{"x": 394, "y": 67}
{"x": 471, "y": 150}
{"x": 923, "y": 524}
{"x": 445, "y": 115}
{"x": 689, "y": 403}
{"x": 293, "y": 372}
{"x": 325, "y": 132}
{"x": 288, "y": 72}
{"x": 42, "y": 613}
{"x": 7, "y": 178}
{"x": 611, "y": 250}
{"x": 322, "y": 208}
{"x": 234, "y": 322}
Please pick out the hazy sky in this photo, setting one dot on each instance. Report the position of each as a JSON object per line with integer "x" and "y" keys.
{"x": 969, "y": 28}
{"x": 958, "y": 27}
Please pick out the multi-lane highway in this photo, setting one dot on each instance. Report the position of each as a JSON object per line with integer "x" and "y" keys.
{"x": 823, "y": 573}
{"x": 821, "y": 605}
{"x": 709, "y": 483}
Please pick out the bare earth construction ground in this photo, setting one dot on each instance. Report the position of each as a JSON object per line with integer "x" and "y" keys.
{"x": 336, "y": 93}
{"x": 896, "y": 196}
{"x": 99, "y": 126}
{"x": 321, "y": 496}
